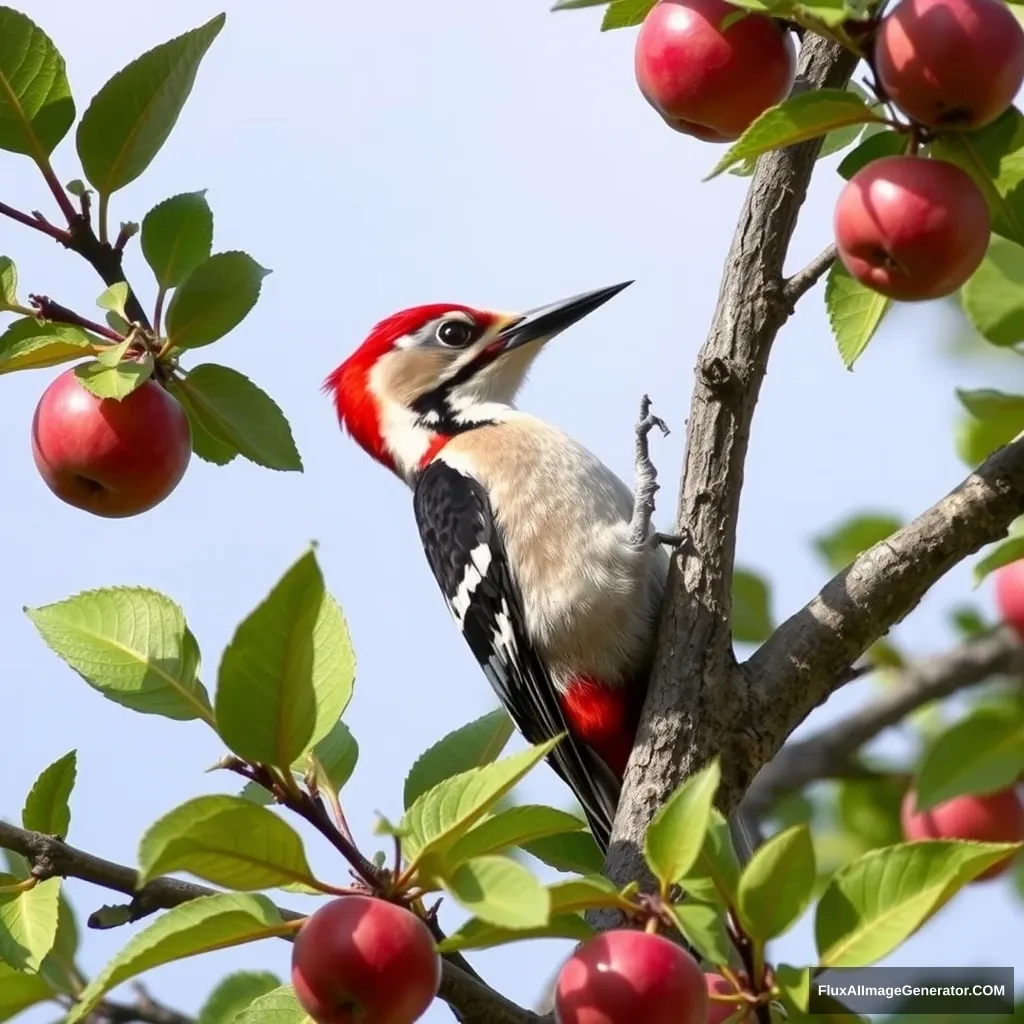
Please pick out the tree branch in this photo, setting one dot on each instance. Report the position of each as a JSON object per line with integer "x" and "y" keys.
{"x": 828, "y": 754}
{"x": 797, "y": 286}
{"x": 697, "y": 695}
{"x": 49, "y": 856}
{"x": 145, "y": 1010}
{"x": 798, "y": 666}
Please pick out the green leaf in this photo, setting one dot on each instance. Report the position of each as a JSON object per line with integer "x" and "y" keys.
{"x": 278, "y": 1007}
{"x": 203, "y": 924}
{"x": 59, "y": 967}
{"x": 177, "y": 236}
{"x": 478, "y": 934}
{"x": 752, "y": 621}
{"x": 849, "y": 538}
{"x": 625, "y": 13}
{"x": 234, "y": 993}
{"x": 46, "y": 807}
{"x": 19, "y": 991}
{"x": 513, "y": 827}
{"x": 132, "y": 645}
{"x": 130, "y": 118}
{"x": 797, "y": 119}
{"x": 333, "y": 759}
{"x": 478, "y": 743}
{"x": 36, "y": 108}
{"x": 994, "y": 157}
{"x": 795, "y": 987}
{"x": 208, "y": 440}
{"x": 715, "y": 875}
{"x": 854, "y": 312}
{"x": 879, "y": 900}
{"x": 1011, "y": 550}
{"x": 114, "y": 298}
{"x": 982, "y": 753}
{"x": 969, "y": 622}
{"x": 567, "y": 900}
{"x": 116, "y": 382}
{"x": 28, "y": 344}
{"x": 227, "y": 841}
{"x": 113, "y": 354}
{"x": 213, "y": 299}
{"x": 993, "y": 297}
{"x": 577, "y": 852}
{"x": 703, "y": 926}
{"x": 873, "y": 147}
{"x": 501, "y": 892}
{"x": 78, "y": 188}
{"x": 236, "y": 413}
{"x": 996, "y": 419}
{"x": 287, "y": 674}
{"x": 28, "y": 922}
{"x": 775, "y": 887}
{"x": 869, "y": 809}
{"x": 676, "y": 833}
{"x": 8, "y": 284}
{"x": 444, "y": 813}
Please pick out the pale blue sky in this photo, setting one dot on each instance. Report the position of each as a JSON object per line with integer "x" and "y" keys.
{"x": 378, "y": 156}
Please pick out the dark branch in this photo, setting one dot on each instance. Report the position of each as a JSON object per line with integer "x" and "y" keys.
{"x": 697, "y": 694}
{"x": 37, "y": 223}
{"x": 145, "y": 1010}
{"x": 107, "y": 262}
{"x": 830, "y": 753}
{"x": 49, "y": 857}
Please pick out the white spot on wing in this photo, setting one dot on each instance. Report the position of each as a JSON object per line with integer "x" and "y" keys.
{"x": 476, "y": 570}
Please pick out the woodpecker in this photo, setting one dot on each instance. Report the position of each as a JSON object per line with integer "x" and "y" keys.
{"x": 548, "y": 563}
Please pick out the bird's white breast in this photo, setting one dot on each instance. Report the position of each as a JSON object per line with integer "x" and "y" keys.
{"x": 589, "y": 598}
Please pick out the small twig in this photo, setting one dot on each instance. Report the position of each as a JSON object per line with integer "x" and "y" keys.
{"x": 49, "y": 857}
{"x": 795, "y": 287}
{"x": 47, "y": 309}
{"x": 158, "y": 310}
{"x": 38, "y": 223}
{"x": 145, "y": 1010}
{"x": 128, "y": 230}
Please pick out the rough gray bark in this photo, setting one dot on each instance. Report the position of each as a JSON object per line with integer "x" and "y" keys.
{"x": 697, "y": 696}
{"x": 701, "y": 703}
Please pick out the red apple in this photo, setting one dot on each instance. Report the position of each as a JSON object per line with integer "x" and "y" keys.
{"x": 112, "y": 458}
{"x": 911, "y": 228}
{"x": 988, "y": 818}
{"x": 629, "y": 977}
{"x": 359, "y": 960}
{"x": 1010, "y": 595}
{"x": 951, "y": 63}
{"x": 718, "y": 1012}
{"x": 691, "y": 70}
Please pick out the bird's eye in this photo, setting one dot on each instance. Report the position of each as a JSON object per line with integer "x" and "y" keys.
{"x": 454, "y": 333}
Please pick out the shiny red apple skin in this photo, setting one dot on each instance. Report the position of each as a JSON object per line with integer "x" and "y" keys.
{"x": 629, "y": 977}
{"x": 951, "y": 64}
{"x": 692, "y": 71}
{"x": 911, "y": 228}
{"x": 111, "y": 458}
{"x": 1009, "y": 586}
{"x": 990, "y": 818}
{"x": 360, "y": 960}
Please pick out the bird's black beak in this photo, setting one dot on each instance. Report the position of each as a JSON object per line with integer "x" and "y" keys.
{"x": 546, "y": 321}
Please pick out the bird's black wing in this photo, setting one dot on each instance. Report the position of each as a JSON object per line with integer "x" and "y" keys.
{"x": 467, "y": 555}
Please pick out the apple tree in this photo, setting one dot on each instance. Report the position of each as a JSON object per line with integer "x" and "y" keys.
{"x": 676, "y": 917}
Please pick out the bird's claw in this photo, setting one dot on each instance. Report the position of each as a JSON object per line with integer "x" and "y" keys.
{"x": 646, "y": 479}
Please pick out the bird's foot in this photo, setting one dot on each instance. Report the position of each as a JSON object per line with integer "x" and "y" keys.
{"x": 646, "y": 485}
